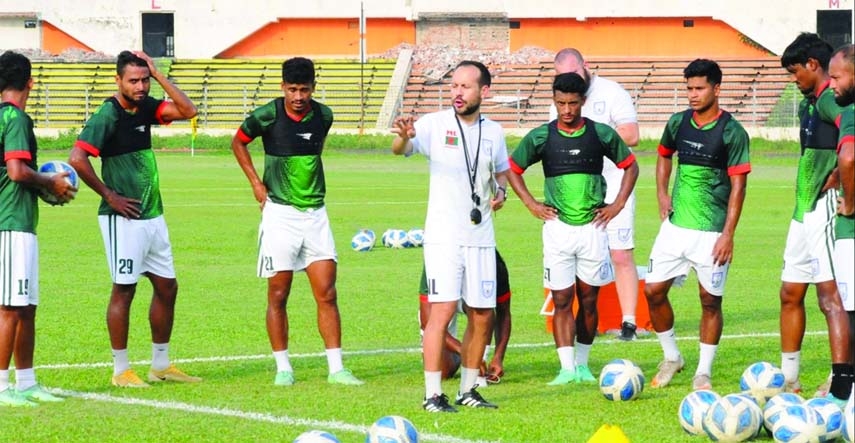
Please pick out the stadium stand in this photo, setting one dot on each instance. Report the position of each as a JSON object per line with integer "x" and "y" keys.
{"x": 65, "y": 94}
{"x": 226, "y": 90}
{"x": 521, "y": 94}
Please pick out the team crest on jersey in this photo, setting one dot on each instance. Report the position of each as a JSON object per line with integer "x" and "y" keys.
{"x": 814, "y": 267}
{"x": 624, "y": 234}
{"x": 487, "y": 146}
{"x": 451, "y": 139}
{"x": 843, "y": 289}
{"x": 600, "y": 107}
{"x": 717, "y": 278}
{"x": 605, "y": 271}
{"x": 488, "y": 288}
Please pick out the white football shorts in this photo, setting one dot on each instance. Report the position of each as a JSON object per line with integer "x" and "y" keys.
{"x": 461, "y": 272}
{"x": 807, "y": 255}
{"x": 844, "y": 271}
{"x": 574, "y": 251}
{"x": 19, "y": 268}
{"x": 677, "y": 249}
{"x": 136, "y": 247}
{"x": 290, "y": 239}
{"x": 621, "y": 229}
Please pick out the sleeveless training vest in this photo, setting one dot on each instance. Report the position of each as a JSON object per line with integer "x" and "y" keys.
{"x": 702, "y": 148}
{"x": 573, "y": 155}
{"x": 288, "y": 138}
{"x": 133, "y": 131}
{"x": 816, "y": 133}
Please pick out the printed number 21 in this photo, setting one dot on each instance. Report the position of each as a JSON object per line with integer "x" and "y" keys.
{"x": 267, "y": 263}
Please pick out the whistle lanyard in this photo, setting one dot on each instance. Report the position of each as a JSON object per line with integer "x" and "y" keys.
{"x": 471, "y": 169}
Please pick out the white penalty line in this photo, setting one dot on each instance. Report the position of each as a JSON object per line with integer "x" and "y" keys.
{"x": 254, "y": 416}
{"x": 410, "y": 350}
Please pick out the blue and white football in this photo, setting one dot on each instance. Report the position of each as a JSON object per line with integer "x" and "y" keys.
{"x": 416, "y": 237}
{"x": 363, "y": 240}
{"x": 316, "y": 436}
{"x": 392, "y": 429}
{"x": 53, "y": 167}
{"x": 395, "y": 238}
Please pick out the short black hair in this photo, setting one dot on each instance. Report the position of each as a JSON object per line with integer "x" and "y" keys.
{"x": 485, "y": 79}
{"x": 126, "y": 58}
{"x": 807, "y": 46}
{"x": 299, "y": 71}
{"x": 15, "y": 71}
{"x": 701, "y": 67}
{"x": 570, "y": 82}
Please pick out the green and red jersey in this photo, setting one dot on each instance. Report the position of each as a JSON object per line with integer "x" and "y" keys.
{"x": 707, "y": 157}
{"x": 122, "y": 138}
{"x": 818, "y": 136}
{"x": 572, "y": 166}
{"x": 845, "y": 122}
{"x": 19, "y": 209}
{"x": 293, "y": 170}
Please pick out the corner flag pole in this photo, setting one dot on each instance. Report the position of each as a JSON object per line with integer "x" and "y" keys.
{"x": 194, "y": 123}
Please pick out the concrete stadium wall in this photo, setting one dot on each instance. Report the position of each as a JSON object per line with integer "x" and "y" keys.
{"x": 205, "y": 28}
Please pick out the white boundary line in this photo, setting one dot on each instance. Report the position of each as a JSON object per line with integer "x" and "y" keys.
{"x": 289, "y": 421}
{"x": 254, "y": 416}
{"x": 600, "y": 342}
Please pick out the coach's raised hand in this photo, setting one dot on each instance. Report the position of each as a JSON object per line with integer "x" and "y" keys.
{"x": 405, "y": 129}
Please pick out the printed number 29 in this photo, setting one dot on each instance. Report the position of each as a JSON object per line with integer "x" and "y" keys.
{"x": 126, "y": 266}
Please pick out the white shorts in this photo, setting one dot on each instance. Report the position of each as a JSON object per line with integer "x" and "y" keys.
{"x": 807, "y": 255}
{"x": 19, "y": 268}
{"x": 290, "y": 239}
{"x": 574, "y": 251}
{"x": 136, "y": 247}
{"x": 844, "y": 271}
{"x": 621, "y": 229}
{"x": 461, "y": 272}
{"x": 677, "y": 249}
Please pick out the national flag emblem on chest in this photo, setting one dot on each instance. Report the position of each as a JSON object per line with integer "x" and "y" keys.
{"x": 451, "y": 139}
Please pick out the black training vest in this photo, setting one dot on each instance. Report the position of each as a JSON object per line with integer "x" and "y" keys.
{"x": 133, "y": 130}
{"x": 702, "y": 148}
{"x": 288, "y": 138}
{"x": 816, "y": 133}
{"x": 572, "y": 155}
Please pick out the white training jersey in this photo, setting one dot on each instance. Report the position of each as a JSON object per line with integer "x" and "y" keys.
{"x": 438, "y": 137}
{"x": 606, "y": 102}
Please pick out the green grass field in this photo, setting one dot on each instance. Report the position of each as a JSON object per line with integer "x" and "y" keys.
{"x": 219, "y": 329}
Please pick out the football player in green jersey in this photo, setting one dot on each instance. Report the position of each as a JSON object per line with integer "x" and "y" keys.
{"x": 842, "y": 74}
{"x": 133, "y": 228}
{"x": 699, "y": 217}
{"x": 810, "y": 239}
{"x": 20, "y": 183}
{"x": 295, "y": 233}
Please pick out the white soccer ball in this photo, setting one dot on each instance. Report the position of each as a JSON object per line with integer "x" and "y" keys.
{"x": 848, "y": 428}
{"x": 830, "y": 418}
{"x": 395, "y": 238}
{"x": 732, "y": 418}
{"x": 392, "y": 429}
{"x": 762, "y": 380}
{"x": 797, "y": 424}
{"x": 363, "y": 240}
{"x": 53, "y": 167}
{"x": 693, "y": 408}
{"x": 316, "y": 436}
{"x": 776, "y": 405}
{"x": 416, "y": 237}
{"x": 621, "y": 380}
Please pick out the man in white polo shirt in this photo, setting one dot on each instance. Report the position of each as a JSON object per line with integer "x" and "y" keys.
{"x": 468, "y": 178}
{"x": 607, "y": 102}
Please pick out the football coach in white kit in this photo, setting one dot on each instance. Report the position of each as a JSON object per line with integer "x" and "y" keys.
{"x": 468, "y": 181}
